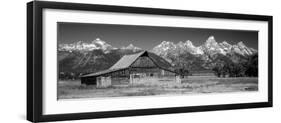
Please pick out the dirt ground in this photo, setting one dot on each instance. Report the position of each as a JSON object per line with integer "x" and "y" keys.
{"x": 190, "y": 85}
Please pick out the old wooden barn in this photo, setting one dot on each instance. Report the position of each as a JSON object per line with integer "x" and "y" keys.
{"x": 132, "y": 69}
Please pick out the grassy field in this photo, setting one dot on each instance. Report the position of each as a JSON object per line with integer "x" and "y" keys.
{"x": 191, "y": 85}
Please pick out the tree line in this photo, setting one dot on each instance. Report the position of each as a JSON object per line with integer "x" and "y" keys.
{"x": 69, "y": 76}
{"x": 247, "y": 68}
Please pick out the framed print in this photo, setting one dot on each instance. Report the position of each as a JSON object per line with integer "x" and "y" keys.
{"x": 88, "y": 61}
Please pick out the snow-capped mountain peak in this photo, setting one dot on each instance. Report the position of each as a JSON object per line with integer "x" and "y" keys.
{"x": 98, "y": 41}
{"x": 241, "y": 44}
{"x": 225, "y": 46}
{"x": 211, "y": 42}
{"x": 189, "y": 43}
{"x": 102, "y": 44}
{"x": 166, "y": 45}
{"x": 131, "y": 47}
{"x": 242, "y": 49}
{"x": 188, "y": 46}
{"x": 224, "y": 43}
{"x": 212, "y": 47}
{"x": 211, "y": 37}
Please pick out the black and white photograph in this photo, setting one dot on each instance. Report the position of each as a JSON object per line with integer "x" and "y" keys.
{"x": 96, "y": 60}
{"x": 90, "y": 61}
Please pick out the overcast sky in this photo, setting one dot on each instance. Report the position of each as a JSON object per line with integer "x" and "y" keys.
{"x": 147, "y": 37}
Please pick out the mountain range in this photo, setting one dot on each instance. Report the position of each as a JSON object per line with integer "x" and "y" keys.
{"x": 210, "y": 47}
{"x": 96, "y": 44}
{"x": 83, "y": 57}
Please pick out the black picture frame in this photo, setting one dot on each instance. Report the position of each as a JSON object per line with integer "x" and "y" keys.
{"x": 35, "y": 69}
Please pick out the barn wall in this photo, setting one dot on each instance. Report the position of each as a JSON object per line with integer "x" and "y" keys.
{"x": 120, "y": 80}
{"x": 167, "y": 73}
{"x": 103, "y": 82}
{"x": 152, "y": 72}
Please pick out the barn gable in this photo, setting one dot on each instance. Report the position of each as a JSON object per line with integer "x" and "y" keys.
{"x": 126, "y": 61}
{"x": 144, "y": 62}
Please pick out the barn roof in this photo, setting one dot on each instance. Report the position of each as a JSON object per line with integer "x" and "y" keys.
{"x": 101, "y": 72}
{"x": 127, "y": 60}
